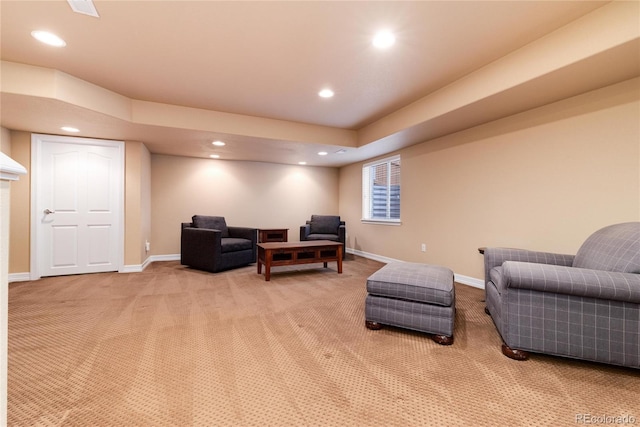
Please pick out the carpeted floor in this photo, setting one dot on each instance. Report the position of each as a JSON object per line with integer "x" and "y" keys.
{"x": 178, "y": 347}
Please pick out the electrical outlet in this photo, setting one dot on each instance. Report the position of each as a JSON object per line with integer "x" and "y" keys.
{"x": 423, "y": 247}
{"x": 147, "y": 246}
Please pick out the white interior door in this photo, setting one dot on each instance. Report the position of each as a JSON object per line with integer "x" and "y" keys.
{"x": 78, "y": 205}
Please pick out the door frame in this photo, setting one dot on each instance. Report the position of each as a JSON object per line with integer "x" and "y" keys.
{"x": 36, "y": 158}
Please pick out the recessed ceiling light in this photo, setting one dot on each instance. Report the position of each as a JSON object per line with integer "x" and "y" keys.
{"x": 302, "y": 163}
{"x": 215, "y": 156}
{"x": 218, "y": 143}
{"x": 326, "y": 93}
{"x": 48, "y": 38}
{"x": 384, "y": 39}
{"x": 322, "y": 153}
{"x": 70, "y": 129}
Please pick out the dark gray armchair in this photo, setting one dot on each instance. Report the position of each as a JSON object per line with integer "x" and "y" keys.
{"x": 325, "y": 227}
{"x": 207, "y": 243}
{"x": 585, "y": 306}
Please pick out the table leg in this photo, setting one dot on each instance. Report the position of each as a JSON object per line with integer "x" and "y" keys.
{"x": 340, "y": 259}
{"x": 267, "y": 266}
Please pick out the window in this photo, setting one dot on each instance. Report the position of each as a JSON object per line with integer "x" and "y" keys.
{"x": 381, "y": 190}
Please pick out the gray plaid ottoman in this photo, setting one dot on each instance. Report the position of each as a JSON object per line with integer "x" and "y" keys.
{"x": 412, "y": 296}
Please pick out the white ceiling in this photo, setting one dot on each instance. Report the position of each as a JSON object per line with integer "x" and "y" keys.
{"x": 264, "y": 59}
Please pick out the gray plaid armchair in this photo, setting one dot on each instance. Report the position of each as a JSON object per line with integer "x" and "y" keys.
{"x": 585, "y": 306}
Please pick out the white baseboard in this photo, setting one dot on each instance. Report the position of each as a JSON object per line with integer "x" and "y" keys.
{"x": 465, "y": 280}
{"x": 131, "y": 268}
{"x": 469, "y": 281}
{"x": 19, "y": 277}
{"x": 139, "y": 268}
{"x": 372, "y": 256}
{"x": 136, "y": 268}
{"x": 170, "y": 257}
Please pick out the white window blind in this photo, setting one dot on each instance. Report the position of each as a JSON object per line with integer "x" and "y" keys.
{"x": 381, "y": 190}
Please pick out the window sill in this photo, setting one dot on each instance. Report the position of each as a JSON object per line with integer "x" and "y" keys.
{"x": 381, "y": 221}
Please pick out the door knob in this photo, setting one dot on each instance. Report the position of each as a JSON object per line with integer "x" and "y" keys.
{"x": 48, "y": 211}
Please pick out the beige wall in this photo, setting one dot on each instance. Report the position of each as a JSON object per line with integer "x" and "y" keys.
{"x": 20, "y": 233}
{"x": 254, "y": 194}
{"x": 145, "y": 203}
{"x": 162, "y": 191}
{"x": 5, "y": 141}
{"x": 137, "y": 202}
{"x": 544, "y": 179}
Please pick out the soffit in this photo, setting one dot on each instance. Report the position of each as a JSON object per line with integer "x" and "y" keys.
{"x": 264, "y": 60}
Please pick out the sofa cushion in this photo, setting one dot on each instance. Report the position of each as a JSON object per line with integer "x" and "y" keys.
{"x": 212, "y": 223}
{"x": 613, "y": 248}
{"x": 232, "y": 244}
{"x": 324, "y": 224}
{"x": 318, "y": 236}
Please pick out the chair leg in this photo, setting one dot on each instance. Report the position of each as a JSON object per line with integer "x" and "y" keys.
{"x": 442, "y": 339}
{"x": 511, "y": 353}
{"x": 374, "y": 326}
{"x": 514, "y": 354}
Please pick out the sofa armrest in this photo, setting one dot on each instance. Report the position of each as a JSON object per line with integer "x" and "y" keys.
{"x": 304, "y": 231}
{"x": 342, "y": 233}
{"x": 199, "y": 247}
{"x": 244, "y": 233}
{"x": 582, "y": 282}
{"x": 494, "y": 257}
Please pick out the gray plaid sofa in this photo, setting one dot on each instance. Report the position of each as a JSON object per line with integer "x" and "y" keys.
{"x": 585, "y": 306}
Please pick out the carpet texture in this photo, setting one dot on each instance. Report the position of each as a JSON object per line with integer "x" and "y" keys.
{"x": 172, "y": 346}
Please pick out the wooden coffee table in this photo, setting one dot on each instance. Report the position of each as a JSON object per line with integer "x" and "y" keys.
{"x": 275, "y": 254}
